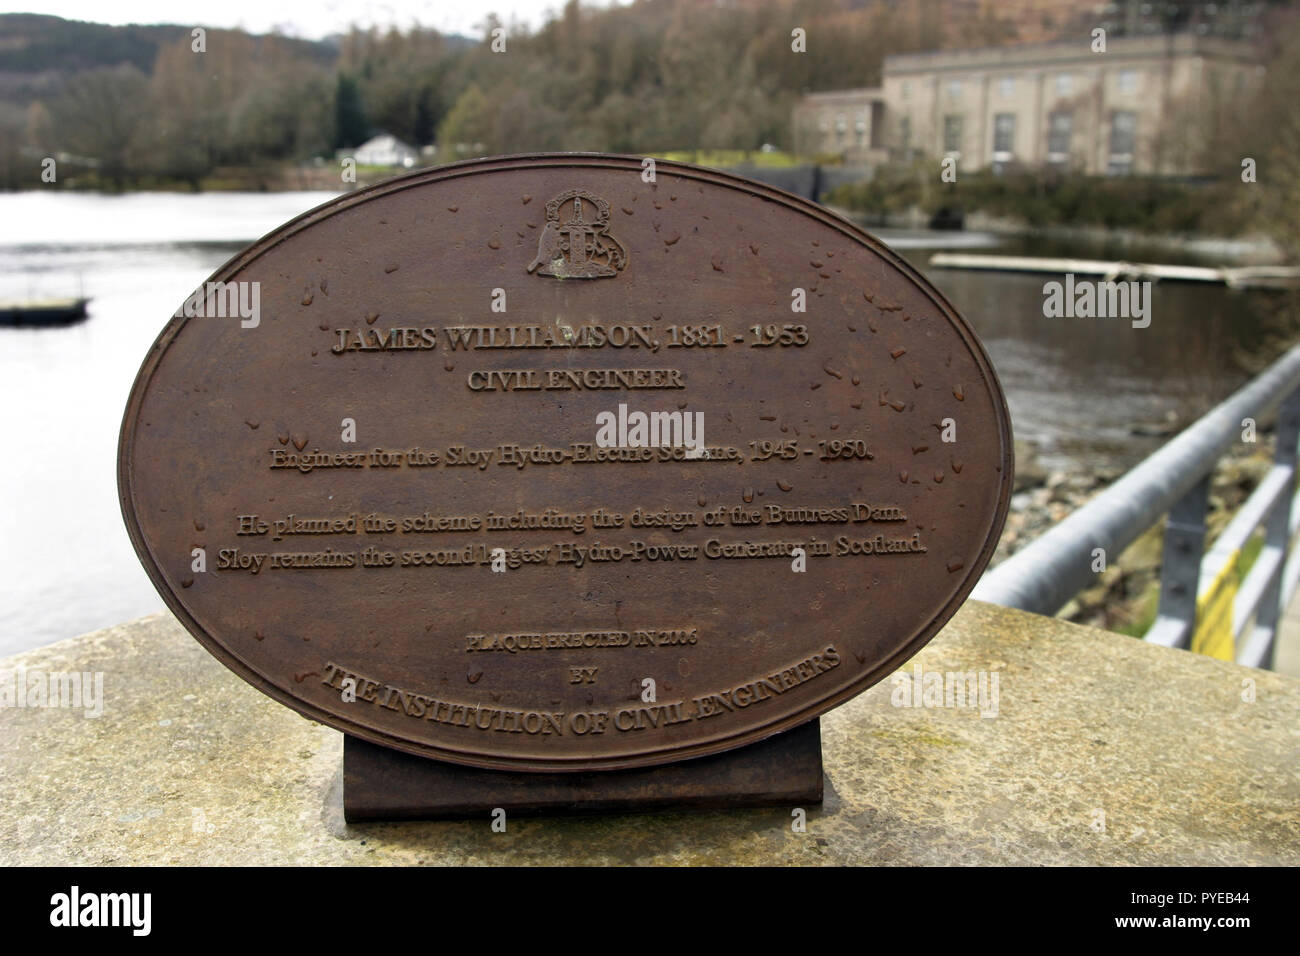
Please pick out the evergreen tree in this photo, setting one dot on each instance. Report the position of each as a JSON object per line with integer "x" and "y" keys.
{"x": 350, "y": 126}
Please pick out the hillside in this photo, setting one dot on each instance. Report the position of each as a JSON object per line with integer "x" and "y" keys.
{"x": 39, "y": 53}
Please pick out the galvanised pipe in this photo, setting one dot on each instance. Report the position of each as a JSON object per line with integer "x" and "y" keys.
{"x": 1057, "y": 565}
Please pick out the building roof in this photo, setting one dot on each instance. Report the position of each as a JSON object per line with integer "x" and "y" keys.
{"x": 385, "y": 141}
{"x": 832, "y": 96}
{"x": 1076, "y": 51}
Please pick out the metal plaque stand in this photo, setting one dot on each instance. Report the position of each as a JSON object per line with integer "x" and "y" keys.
{"x": 380, "y": 783}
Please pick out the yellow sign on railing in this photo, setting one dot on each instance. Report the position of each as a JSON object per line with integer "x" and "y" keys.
{"x": 1213, "y": 634}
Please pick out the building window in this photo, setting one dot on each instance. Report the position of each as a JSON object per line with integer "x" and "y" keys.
{"x": 907, "y": 89}
{"x": 905, "y": 134}
{"x": 1064, "y": 84}
{"x": 1060, "y": 126}
{"x": 1123, "y": 125}
{"x": 1007, "y": 87}
{"x": 860, "y": 130}
{"x": 952, "y": 134}
{"x": 1004, "y": 137}
{"x": 954, "y": 89}
{"x": 1127, "y": 81}
{"x": 841, "y": 125}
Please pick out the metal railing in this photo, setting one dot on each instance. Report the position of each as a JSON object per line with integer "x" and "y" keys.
{"x": 1202, "y": 605}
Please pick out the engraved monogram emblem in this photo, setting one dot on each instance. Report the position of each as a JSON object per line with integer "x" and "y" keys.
{"x": 576, "y": 243}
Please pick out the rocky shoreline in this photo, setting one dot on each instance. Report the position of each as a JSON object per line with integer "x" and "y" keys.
{"x": 1125, "y": 596}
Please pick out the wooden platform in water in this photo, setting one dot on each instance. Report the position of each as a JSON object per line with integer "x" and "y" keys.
{"x": 1241, "y": 277}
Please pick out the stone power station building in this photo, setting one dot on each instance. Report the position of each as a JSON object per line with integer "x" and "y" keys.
{"x": 1153, "y": 104}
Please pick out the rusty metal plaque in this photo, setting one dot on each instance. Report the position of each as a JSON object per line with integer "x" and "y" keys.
{"x": 565, "y": 462}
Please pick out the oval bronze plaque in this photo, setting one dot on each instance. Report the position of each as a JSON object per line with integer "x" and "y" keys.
{"x": 532, "y": 464}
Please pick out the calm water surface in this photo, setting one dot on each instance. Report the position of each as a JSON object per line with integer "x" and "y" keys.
{"x": 1075, "y": 386}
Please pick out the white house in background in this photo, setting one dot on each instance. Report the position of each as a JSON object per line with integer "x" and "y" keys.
{"x": 385, "y": 150}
